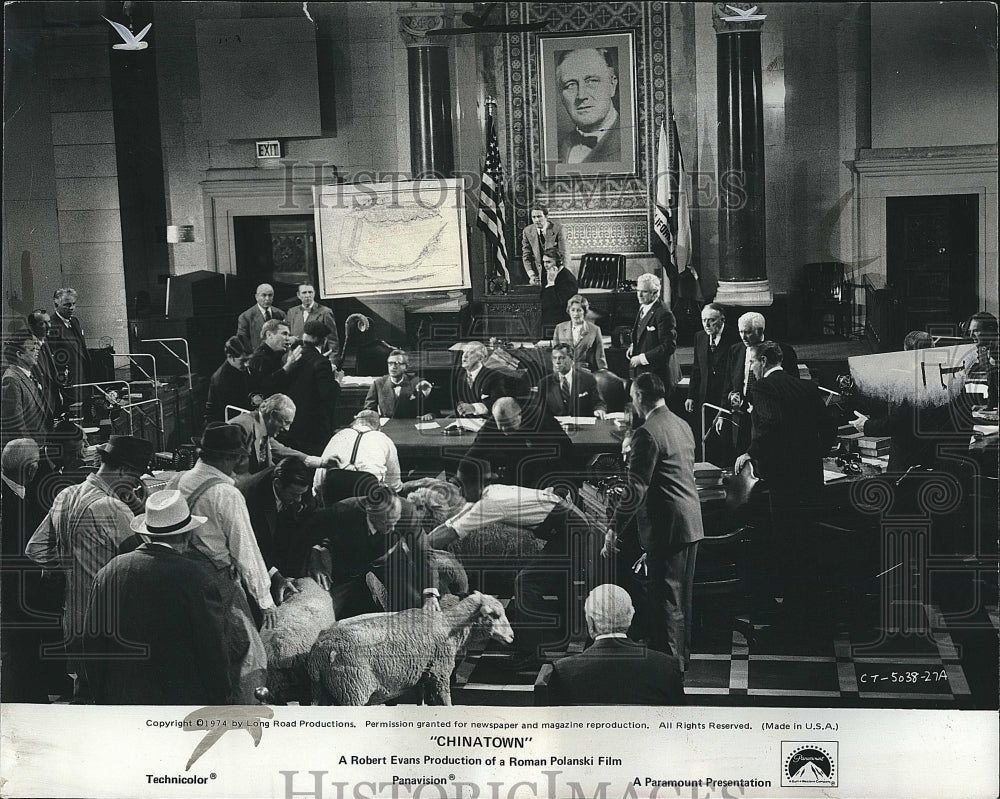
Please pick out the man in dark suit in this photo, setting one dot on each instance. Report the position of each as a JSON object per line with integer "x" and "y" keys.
{"x": 569, "y": 391}
{"x": 741, "y": 378}
{"x": 20, "y": 580}
{"x": 249, "y": 323}
{"x": 560, "y": 286}
{"x": 309, "y": 310}
{"x": 792, "y": 427}
{"x": 358, "y": 536}
{"x": 259, "y": 430}
{"x": 278, "y": 500}
{"x": 477, "y": 386}
{"x": 271, "y": 364}
{"x": 314, "y": 387}
{"x": 654, "y": 335}
{"x": 708, "y": 379}
{"x": 23, "y": 413}
{"x": 542, "y": 237}
{"x": 792, "y": 432}
{"x": 663, "y": 517}
{"x": 158, "y": 599}
{"x": 39, "y": 323}
{"x": 68, "y": 343}
{"x": 400, "y": 395}
{"x": 588, "y": 85}
{"x": 615, "y": 670}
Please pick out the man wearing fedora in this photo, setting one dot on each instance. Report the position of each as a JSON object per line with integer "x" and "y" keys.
{"x": 83, "y": 529}
{"x": 157, "y": 602}
{"x": 226, "y": 539}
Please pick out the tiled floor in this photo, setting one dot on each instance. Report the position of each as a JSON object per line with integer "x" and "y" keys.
{"x": 846, "y": 666}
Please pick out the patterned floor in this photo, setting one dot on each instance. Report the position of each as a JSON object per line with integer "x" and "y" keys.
{"x": 846, "y": 666}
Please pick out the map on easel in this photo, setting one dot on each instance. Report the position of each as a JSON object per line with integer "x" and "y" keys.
{"x": 388, "y": 238}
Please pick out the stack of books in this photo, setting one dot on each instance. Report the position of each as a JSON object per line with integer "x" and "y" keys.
{"x": 708, "y": 481}
{"x": 874, "y": 450}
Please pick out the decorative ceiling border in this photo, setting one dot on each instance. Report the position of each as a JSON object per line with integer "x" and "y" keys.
{"x": 566, "y": 196}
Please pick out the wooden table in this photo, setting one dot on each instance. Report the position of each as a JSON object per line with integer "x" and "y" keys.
{"x": 418, "y": 448}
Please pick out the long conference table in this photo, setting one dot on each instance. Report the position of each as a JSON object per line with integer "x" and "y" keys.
{"x": 420, "y": 447}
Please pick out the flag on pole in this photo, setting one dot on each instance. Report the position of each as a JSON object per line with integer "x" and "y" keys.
{"x": 491, "y": 214}
{"x": 671, "y": 213}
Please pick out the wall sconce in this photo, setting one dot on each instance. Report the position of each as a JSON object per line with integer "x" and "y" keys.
{"x": 177, "y": 234}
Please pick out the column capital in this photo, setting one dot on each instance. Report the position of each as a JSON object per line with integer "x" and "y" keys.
{"x": 416, "y": 20}
{"x": 737, "y": 18}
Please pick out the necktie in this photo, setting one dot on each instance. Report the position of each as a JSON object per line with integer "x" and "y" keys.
{"x": 564, "y": 392}
{"x": 712, "y": 345}
{"x": 751, "y": 379}
{"x": 267, "y": 314}
{"x": 264, "y": 456}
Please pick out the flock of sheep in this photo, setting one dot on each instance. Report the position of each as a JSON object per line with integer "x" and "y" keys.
{"x": 313, "y": 658}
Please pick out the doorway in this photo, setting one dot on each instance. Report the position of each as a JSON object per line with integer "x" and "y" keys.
{"x": 280, "y": 250}
{"x": 932, "y": 252}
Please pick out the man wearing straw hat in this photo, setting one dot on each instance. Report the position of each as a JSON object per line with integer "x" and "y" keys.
{"x": 155, "y": 618}
{"x": 227, "y": 541}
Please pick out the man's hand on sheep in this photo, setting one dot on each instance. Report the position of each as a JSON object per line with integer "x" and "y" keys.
{"x": 442, "y": 536}
{"x": 282, "y": 589}
{"x": 270, "y": 618}
{"x": 322, "y": 578}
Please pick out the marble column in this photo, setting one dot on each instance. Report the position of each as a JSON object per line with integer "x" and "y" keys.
{"x": 431, "y": 148}
{"x": 742, "y": 222}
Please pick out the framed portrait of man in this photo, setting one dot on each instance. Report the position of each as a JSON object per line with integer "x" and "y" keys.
{"x": 588, "y": 114}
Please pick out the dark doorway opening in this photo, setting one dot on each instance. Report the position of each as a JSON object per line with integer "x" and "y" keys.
{"x": 932, "y": 251}
{"x": 280, "y": 250}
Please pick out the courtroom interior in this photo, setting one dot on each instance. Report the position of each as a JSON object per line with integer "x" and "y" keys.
{"x": 610, "y": 353}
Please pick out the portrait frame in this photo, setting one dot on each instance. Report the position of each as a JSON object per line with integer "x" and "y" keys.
{"x": 555, "y": 124}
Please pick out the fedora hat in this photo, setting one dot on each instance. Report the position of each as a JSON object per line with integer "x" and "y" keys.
{"x": 167, "y": 513}
{"x": 222, "y": 439}
{"x": 127, "y": 451}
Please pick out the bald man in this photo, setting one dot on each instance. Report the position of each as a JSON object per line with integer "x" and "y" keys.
{"x": 615, "y": 670}
{"x": 250, "y": 322}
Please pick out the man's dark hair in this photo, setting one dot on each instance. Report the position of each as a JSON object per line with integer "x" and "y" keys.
{"x": 562, "y": 346}
{"x": 293, "y": 471}
{"x": 769, "y": 352}
{"x": 716, "y": 307}
{"x": 316, "y": 330}
{"x": 14, "y": 346}
{"x": 650, "y": 388}
{"x": 539, "y": 207}
{"x": 235, "y": 348}
{"x": 984, "y": 318}
{"x": 36, "y": 322}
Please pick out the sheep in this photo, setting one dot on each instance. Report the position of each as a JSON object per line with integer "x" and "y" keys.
{"x": 374, "y": 657}
{"x": 300, "y": 620}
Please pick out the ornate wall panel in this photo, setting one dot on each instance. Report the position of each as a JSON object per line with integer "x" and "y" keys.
{"x": 574, "y": 199}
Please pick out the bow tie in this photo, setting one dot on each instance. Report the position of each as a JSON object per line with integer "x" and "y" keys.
{"x": 585, "y": 139}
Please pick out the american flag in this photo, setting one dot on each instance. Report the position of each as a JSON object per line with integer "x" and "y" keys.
{"x": 491, "y": 219}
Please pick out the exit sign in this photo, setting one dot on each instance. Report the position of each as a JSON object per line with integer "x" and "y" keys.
{"x": 269, "y": 149}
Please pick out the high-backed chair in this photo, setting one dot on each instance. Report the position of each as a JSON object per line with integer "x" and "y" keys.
{"x": 601, "y": 270}
{"x": 612, "y": 388}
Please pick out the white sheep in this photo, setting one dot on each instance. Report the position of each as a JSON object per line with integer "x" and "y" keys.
{"x": 300, "y": 620}
{"x": 371, "y": 658}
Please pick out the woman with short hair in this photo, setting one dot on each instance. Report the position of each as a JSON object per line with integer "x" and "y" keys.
{"x": 583, "y": 336}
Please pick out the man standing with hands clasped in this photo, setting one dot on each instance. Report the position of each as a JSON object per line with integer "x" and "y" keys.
{"x": 654, "y": 335}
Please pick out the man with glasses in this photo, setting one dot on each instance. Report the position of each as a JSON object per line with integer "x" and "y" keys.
{"x": 654, "y": 335}
{"x": 400, "y": 395}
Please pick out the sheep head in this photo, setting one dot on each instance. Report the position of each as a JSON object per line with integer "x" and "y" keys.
{"x": 492, "y": 619}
